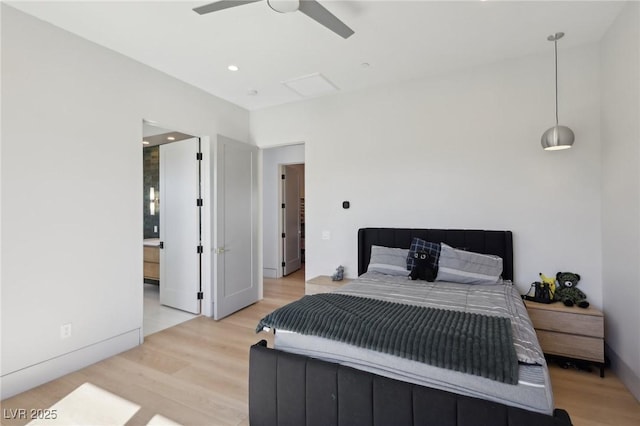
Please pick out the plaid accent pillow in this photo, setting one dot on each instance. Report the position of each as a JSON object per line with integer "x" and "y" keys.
{"x": 418, "y": 244}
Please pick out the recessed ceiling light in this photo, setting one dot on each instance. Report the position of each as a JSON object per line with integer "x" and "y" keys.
{"x": 145, "y": 142}
{"x": 233, "y": 68}
{"x": 171, "y": 138}
{"x": 365, "y": 65}
{"x": 252, "y": 92}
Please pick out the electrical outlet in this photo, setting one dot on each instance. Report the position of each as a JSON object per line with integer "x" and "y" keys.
{"x": 65, "y": 331}
{"x": 326, "y": 235}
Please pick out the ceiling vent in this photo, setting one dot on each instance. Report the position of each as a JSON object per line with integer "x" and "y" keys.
{"x": 311, "y": 85}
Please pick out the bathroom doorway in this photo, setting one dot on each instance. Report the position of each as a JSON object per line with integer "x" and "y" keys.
{"x": 172, "y": 272}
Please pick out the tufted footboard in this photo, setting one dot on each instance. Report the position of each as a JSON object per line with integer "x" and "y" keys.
{"x": 289, "y": 389}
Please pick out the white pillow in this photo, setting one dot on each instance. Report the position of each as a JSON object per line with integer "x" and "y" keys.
{"x": 468, "y": 267}
{"x": 389, "y": 260}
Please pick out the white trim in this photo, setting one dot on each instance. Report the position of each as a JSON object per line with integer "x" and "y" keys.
{"x": 27, "y": 378}
{"x": 624, "y": 372}
{"x": 269, "y": 273}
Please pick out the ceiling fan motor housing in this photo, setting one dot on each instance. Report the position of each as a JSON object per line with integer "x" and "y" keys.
{"x": 284, "y": 6}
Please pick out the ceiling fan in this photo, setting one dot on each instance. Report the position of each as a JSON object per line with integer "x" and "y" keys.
{"x": 311, "y": 8}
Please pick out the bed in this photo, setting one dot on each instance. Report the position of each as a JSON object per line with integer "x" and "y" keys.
{"x": 311, "y": 379}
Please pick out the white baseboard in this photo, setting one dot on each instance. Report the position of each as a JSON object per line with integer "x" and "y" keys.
{"x": 27, "y": 378}
{"x": 269, "y": 273}
{"x": 624, "y": 372}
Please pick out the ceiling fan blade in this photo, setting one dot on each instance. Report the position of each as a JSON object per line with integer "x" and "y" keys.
{"x": 318, "y": 13}
{"x": 219, "y": 5}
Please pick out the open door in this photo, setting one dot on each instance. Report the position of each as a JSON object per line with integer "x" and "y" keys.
{"x": 180, "y": 237}
{"x": 290, "y": 220}
{"x": 235, "y": 252}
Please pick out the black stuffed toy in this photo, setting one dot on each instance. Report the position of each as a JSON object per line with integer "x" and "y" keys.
{"x": 567, "y": 291}
{"x": 422, "y": 267}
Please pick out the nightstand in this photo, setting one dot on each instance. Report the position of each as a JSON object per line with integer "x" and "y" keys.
{"x": 570, "y": 332}
{"x": 323, "y": 284}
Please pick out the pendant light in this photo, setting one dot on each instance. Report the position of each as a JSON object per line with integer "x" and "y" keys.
{"x": 557, "y": 137}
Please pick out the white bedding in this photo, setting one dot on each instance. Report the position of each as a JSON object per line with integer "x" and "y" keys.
{"x": 533, "y": 391}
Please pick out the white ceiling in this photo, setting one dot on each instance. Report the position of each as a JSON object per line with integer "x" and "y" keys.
{"x": 401, "y": 40}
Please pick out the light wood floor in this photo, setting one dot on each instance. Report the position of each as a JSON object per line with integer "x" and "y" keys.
{"x": 196, "y": 374}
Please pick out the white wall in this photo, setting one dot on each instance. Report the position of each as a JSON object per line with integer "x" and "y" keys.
{"x": 457, "y": 151}
{"x": 271, "y": 242}
{"x": 620, "y": 50}
{"x": 71, "y": 210}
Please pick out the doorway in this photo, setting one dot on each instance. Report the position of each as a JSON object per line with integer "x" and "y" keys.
{"x": 273, "y": 161}
{"x": 292, "y": 217}
{"x": 171, "y": 230}
{"x": 220, "y": 224}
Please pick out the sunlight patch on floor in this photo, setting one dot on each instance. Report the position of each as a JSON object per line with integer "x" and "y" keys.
{"x": 159, "y": 420}
{"x": 88, "y": 405}
{"x": 91, "y": 405}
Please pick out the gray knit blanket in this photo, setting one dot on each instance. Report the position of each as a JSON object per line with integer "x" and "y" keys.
{"x": 467, "y": 342}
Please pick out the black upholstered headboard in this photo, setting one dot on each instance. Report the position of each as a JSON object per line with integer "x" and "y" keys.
{"x": 499, "y": 243}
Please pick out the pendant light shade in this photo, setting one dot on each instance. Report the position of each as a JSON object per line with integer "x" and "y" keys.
{"x": 557, "y": 137}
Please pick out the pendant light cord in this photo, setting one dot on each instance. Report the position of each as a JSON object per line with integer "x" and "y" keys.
{"x": 555, "y": 48}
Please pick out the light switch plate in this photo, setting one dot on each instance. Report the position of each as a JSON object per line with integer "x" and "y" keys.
{"x": 65, "y": 331}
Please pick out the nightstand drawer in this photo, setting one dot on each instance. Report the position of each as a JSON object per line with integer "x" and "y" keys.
{"x": 565, "y": 322}
{"x": 581, "y": 347}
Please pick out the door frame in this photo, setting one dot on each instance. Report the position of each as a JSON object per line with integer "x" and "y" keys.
{"x": 281, "y": 259}
{"x": 207, "y": 222}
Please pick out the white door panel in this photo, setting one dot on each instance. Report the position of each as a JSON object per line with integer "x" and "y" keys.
{"x": 179, "y": 225}
{"x": 236, "y": 282}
